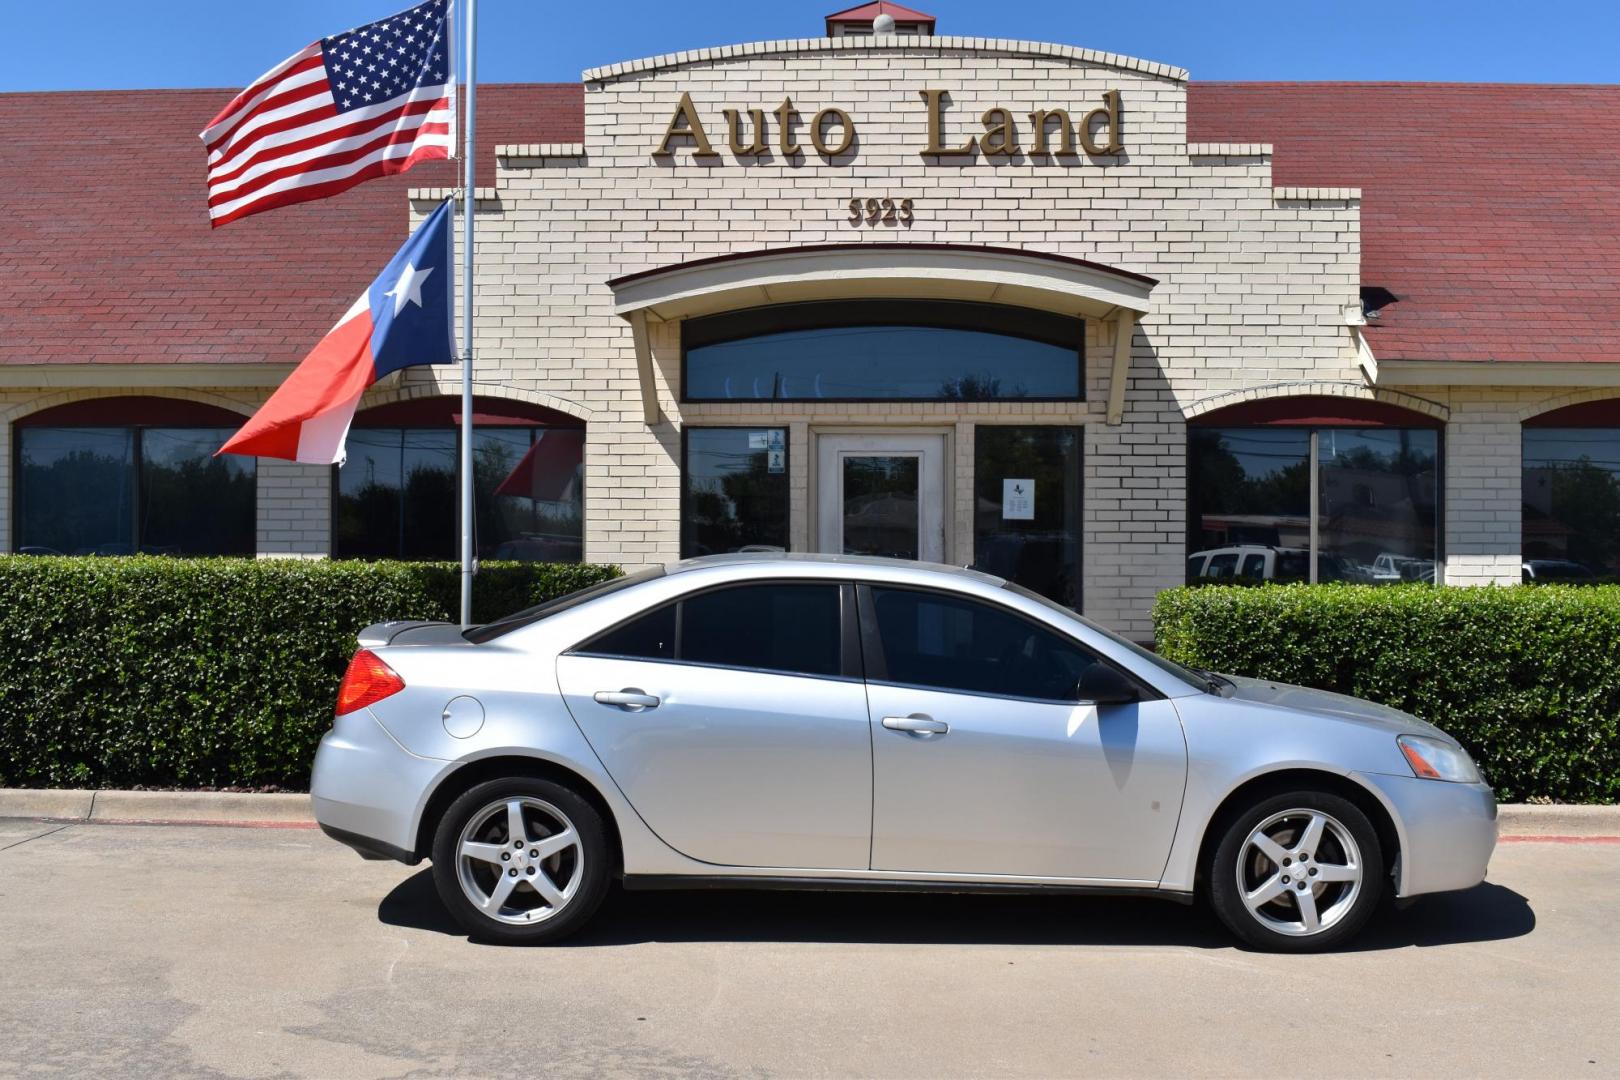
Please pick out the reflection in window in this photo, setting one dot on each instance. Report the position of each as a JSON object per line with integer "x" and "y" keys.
{"x": 1376, "y": 508}
{"x": 1249, "y": 493}
{"x": 734, "y": 491}
{"x": 951, "y": 643}
{"x": 1036, "y": 545}
{"x": 122, "y": 490}
{"x": 1571, "y": 516}
{"x": 792, "y": 628}
{"x": 881, "y": 505}
{"x": 882, "y": 350}
{"x": 398, "y": 498}
{"x": 1250, "y": 514}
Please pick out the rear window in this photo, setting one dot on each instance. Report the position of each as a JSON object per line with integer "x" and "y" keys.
{"x": 529, "y": 616}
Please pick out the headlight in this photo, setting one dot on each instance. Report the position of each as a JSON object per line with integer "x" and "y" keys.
{"x": 1432, "y": 759}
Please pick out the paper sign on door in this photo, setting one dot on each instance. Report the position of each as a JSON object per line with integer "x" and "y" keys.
{"x": 1018, "y": 500}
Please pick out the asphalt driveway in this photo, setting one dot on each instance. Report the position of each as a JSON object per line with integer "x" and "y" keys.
{"x": 200, "y": 951}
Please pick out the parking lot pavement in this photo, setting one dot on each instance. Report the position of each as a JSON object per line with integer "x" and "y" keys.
{"x": 197, "y": 951}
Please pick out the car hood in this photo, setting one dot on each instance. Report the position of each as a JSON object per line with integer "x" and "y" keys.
{"x": 1327, "y": 703}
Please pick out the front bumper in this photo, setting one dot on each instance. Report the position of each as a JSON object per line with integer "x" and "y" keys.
{"x": 1447, "y": 831}
{"x": 368, "y": 790}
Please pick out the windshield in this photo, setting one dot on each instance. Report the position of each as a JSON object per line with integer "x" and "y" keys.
{"x": 1187, "y": 675}
{"x": 528, "y": 616}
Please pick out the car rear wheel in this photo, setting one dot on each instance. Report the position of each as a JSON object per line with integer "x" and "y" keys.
{"x": 1297, "y": 872}
{"x": 521, "y": 860}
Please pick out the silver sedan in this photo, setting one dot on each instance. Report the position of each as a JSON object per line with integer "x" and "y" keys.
{"x": 822, "y": 722}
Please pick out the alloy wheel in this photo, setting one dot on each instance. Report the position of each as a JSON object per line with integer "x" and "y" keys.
{"x": 1299, "y": 872}
{"x": 519, "y": 860}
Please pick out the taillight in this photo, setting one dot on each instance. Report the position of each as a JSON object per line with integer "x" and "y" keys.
{"x": 367, "y": 681}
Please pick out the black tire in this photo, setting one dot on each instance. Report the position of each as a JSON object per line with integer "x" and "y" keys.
{"x": 1349, "y": 909}
{"x": 537, "y": 922}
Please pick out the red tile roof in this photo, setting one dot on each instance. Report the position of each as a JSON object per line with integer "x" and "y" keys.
{"x": 105, "y": 251}
{"x": 1492, "y": 211}
{"x": 865, "y": 13}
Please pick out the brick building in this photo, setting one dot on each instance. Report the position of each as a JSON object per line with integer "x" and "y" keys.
{"x": 1059, "y": 313}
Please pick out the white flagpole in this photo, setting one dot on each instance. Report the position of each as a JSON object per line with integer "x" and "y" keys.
{"x": 468, "y": 212}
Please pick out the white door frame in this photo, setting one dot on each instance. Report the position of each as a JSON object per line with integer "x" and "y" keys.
{"x": 930, "y": 446}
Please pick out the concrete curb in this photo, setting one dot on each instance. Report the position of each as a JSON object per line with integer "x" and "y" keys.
{"x": 1523, "y": 819}
{"x": 219, "y": 808}
{"x": 213, "y": 807}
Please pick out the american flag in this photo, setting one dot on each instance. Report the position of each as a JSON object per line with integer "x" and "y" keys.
{"x": 366, "y": 103}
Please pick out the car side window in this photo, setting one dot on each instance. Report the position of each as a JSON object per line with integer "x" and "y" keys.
{"x": 646, "y": 637}
{"x": 1254, "y": 566}
{"x": 1222, "y": 566}
{"x": 792, "y": 628}
{"x": 952, "y": 643}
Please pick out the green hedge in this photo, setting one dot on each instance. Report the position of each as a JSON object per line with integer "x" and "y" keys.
{"x": 161, "y": 672}
{"x": 1527, "y": 678}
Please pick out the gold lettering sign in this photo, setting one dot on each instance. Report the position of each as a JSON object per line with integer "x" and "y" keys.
{"x": 832, "y": 131}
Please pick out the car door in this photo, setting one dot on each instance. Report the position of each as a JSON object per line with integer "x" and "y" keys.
{"x": 734, "y": 720}
{"x": 986, "y": 763}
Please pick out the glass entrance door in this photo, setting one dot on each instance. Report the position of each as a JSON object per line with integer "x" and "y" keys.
{"x": 882, "y": 495}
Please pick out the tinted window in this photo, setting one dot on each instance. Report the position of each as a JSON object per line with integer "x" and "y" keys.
{"x": 120, "y": 490}
{"x": 1028, "y": 518}
{"x": 791, "y": 628}
{"x": 734, "y": 490}
{"x": 649, "y": 637}
{"x": 950, "y": 643}
{"x": 1571, "y": 522}
{"x": 882, "y": 350}
{"x": 528, "y": 493}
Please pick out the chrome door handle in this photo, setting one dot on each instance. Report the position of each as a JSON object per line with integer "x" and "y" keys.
{"x": 918, "y": 725}
{"x": 629, "y": 699}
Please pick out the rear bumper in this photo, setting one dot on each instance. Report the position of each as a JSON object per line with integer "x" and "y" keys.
{"x": 368, "y": 790}
{"x": 1448, "y": 831}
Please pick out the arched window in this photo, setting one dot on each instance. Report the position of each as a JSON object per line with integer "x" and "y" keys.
{"x": 397, "y": 497}
{"x": 1313, "y": 489}
{"x": 120, "y": 475}
{"x": 883, "y": 350}
{"x": 1571, "y": 494}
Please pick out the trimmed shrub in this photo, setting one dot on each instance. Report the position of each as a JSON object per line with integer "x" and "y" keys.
{"x": 205, "y": 672}
{"x": 1527, "y": 678}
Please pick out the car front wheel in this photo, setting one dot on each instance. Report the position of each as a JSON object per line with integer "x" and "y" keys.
{"x": 521, "y": 860}
{"x": 1297, "y": 872}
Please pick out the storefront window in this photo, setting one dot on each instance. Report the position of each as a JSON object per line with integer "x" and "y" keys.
{"x": 1571, "y": 518}
{"x": 1027, "y": 508}
{"x": 1376, "y": 506}
{"x": 1250, "y": 498}
{"x": 122, "y": 490}
{"x": 881, "y": 350}
{"x": 398, "y": 498}
{"x": 1249, "y": 493}
{"x": 734, "y": 490}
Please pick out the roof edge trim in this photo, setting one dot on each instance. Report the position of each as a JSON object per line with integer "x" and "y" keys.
{"x": 938, "y": 43}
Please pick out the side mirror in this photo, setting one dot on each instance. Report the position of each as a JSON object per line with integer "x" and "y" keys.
{"x": 1101, "y": 684}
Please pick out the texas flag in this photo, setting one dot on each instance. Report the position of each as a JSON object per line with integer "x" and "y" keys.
{"x": 403, "y": 319}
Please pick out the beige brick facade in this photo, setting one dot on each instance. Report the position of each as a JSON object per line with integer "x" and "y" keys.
{"x": 1256, "y": 287}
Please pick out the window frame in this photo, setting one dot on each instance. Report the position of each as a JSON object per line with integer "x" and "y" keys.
{"x": 877, "y": 666}
{"x": 137, "y": 483}
{"x": 787, "y": 473}
{"x": 851, "y": 666}
{"x": 768, "y": 318}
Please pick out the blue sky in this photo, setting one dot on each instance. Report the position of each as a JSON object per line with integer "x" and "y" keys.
{"x": 96, "y": 44}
